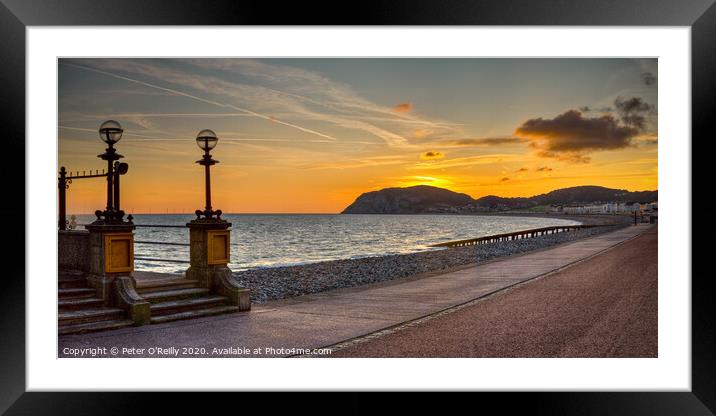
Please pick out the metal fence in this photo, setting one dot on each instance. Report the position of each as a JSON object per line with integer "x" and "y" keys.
{"x": 518, "y": 235}
{"x": 161, "y": 243}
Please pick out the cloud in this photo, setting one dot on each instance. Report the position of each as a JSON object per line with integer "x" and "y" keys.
{"x": 490, "y": 159}
{"x": 432, "y": 155}
{"x": 421, "y": 133}
{"x": 290, "y": 96}
{"x": 493, "y": 141}
{"x": 588, "y": 109}
{"x": 201, "y": 99}
{"x": 648, "y": 139}
{"x": 127, "y": 132}
{"x": 568, "y": 157}
{"x": 570, "y": 136}
{"x": 544, "y": 169}
{"x": 403, "y": 108}
{"x": 647, "y": 78}
{"x": 360, "y": 163}
{"x": 505, "y": 179}
{"x": 633, "y": 111}
{"x": 522, "y": 170}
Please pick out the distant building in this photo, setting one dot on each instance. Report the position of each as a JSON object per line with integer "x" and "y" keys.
{"x": 614, "y": 207}
{"x": 573, "y": 209}
{"x": 604, "y": 208}
{"x": 594, "y": 209}
{"x": 634, "y": 207}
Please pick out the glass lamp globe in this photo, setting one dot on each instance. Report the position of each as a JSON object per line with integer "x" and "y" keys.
{"x": 206, "y": 140}
{"x": 110, "y": 132}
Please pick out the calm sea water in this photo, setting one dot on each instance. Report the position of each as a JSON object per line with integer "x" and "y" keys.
{"x": 267, "y": 240}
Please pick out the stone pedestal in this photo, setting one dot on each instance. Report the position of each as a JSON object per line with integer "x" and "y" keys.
{"x": 210, "y": 252}
{"x": 111, "y": 255}
{"x": 111, "y": 263}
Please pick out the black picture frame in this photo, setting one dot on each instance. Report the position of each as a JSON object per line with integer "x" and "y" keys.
{"x": 15, "y": 15}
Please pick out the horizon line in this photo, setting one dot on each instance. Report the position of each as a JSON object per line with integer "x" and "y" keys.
{"x": 390, "y": 187}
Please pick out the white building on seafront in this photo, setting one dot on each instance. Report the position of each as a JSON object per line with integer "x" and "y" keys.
{"x": 605, "y": 208}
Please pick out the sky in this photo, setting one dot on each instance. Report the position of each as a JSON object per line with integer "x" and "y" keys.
{"x": 310, "y": 135}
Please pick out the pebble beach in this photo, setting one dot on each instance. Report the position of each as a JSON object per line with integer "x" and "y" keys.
{"x": 268, "y": 284}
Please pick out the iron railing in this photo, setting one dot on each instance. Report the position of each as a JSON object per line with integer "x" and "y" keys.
{"x": 517, "y": 235}
{"x": 113, "y": 174}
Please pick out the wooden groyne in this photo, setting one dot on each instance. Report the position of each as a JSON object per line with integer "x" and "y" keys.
{"x": 518, "y": 235}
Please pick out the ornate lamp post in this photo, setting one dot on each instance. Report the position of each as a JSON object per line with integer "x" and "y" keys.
{"x": 207, "y": 140}
{"x": 210, "y": 239}
{"x": 111, "y": 239}
{"x": 110, "y": 132}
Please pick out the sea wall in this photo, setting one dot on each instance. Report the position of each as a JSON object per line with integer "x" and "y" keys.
{"x": 73, "y": 250}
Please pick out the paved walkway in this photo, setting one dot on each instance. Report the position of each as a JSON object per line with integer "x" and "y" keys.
{"x": 605, "y": 306}
{"x": 313, "y": 321}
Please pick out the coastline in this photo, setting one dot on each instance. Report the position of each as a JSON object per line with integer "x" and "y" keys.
{"x": 290, "y": 281}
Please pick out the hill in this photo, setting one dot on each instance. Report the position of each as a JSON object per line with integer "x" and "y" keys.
{"x": 425, "y": 199}
{"x": 411, "y": 200}
{"x": 587, "y": 194}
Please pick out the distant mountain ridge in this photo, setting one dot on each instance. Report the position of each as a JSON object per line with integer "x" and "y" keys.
{"x": 424, "y": 199}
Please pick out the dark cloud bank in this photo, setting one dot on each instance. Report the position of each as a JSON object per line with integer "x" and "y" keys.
{"x": 633, "y": 111}
{"x": 571, "y": 136}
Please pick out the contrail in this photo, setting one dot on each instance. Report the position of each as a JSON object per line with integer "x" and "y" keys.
{"x": 224, "y": 139}
{"x": 204, "y": 100}
{"x": 126, "y": 133}
{"x": 363, "y": 107}
{"x": 88, "y": 117}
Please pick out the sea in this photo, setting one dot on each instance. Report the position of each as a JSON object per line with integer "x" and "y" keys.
{"x": 274, "y": 240}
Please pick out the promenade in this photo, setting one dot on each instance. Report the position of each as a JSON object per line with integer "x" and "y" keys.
{"x": 345, "y": 316}
{"x": 605, "y": 306}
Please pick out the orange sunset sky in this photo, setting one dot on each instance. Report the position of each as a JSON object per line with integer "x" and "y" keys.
{"x": 310, "y": 135}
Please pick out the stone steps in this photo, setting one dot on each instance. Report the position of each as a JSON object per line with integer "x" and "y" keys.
{"x": 71, "y": 283}
{"x": 70, "y": 274}
{"x": 80, "y": 310}
{"x": 170, "y": 299}
{"x": 194, "y": 314}
{"x": 76, "y": 304}
{"x": 184, "y": 305}
{"x": 93, "y": 326}
{"x": 169, "y": 295}
{"x": 164, "y": 285}
{"x": 180, "y": 299}
{"x": 76, "y": 293}
{"x": 89, "y": 315}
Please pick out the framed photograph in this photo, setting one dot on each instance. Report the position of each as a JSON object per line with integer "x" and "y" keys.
{"x": 455, "y": 197}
